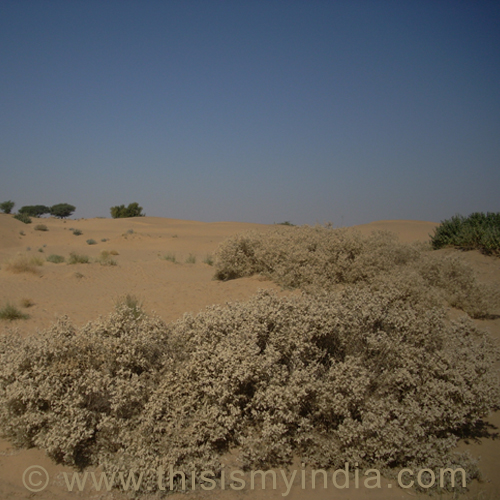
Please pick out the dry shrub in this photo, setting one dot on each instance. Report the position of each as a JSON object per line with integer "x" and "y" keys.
{"x": 24, "y": 264}
{"x": 311, "y": 256}
{"x": 373, "y": 374}
{"x": 320, "y": 258}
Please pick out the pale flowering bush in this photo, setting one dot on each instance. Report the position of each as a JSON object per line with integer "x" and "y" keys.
{"x": 374, "y": 373}
{"x": 320, "y": 258}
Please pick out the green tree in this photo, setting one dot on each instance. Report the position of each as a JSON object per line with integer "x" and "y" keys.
{"x": 62, "y": 210}
{"x": 121, "y": 211}
{"x": 34, "y": 210}
{"x": 7, "y": 206}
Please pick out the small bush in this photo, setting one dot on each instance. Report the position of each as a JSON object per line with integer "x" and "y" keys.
{"x": 113, "y": 252}
{"x": 75, "y": 258}
{"x": 191, "y": 259}
{"x": 55, "y": 259}
{"x": 209, "y": 260}
{"x": 10, "y": 312}
{"x": 170, "y": 256}
{"x": 105, "y": 259}
{"x": 131, "y": 303}
{"x": 41, "y": 227}
{"x": 477, "y": 231}
{"x": 77, "y": 232}
{"x": 41, "y": 250}
{"x": 23, "y": 218}
{"x": 24, "y": 264}
{"x": 26, "y": 303}
{"x": 103, "y": 240}
{"x": 91, "y": 241}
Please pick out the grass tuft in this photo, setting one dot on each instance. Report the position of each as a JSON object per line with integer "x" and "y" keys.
{"x": 41, "y": 227}
{"x": 75, "y": 258}
{"x": 24, "y": 264}
{"x": 55, "y": 259}
{"x": 170, "y": 256}
{"x": 10, "y": 312}
{"x": 191, "y": 259}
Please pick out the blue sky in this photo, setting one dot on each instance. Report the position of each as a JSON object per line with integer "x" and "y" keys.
{"x": 253, "y": 111}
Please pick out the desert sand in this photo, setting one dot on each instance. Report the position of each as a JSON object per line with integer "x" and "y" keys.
{"x": 84, "y": 292}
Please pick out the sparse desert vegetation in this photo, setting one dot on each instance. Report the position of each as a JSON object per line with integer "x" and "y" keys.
{"x": 41, "y": 227}
{"x": 360, "y": 364}
{"x": 24, "y": 264}
{"x": 363, "y": 365}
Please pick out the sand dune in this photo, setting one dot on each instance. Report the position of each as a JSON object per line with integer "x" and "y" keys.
{"x": 170, "y": 289}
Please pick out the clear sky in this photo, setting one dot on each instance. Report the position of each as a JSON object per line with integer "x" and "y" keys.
{"x": 252, "y": 110}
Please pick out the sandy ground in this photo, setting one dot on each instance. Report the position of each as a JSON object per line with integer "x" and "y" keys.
{"x": 85, "y": 291}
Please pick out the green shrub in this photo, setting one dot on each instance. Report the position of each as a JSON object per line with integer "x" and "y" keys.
{"x": 91, "y": 242}
{"x": 477, "y": 231}
{"x": 11, "y": 313}
{"x": 55, "y": 259}
{"x": 77, "y": 232}
{"x": 41, "y": 227}
{"x": 372, "y": 375}
{"x": 75, "y": 258}
{"x": 23, "y": 218}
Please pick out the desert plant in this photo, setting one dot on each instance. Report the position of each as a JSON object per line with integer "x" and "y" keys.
{"x": 113, "y": 252}
{"x": 75, "y": 258}
{"x": 477, "y": 231}
{"x": 170, "y": 256}
{"x": 77, "y": 232}
{"x": 41, "y": 227}
{"x": 26, "y": 303}
{"x": 62, "y": 210}
{"x": 131, "y": 303}
{"x": 24, "y": 264}
{"x": 7, "y": 206}
{"x": 23, "y": 218}
{"x": 375, "y": 378}
{"x": 91, "y": 241}
{"x": 105, "y": 259}
{"x": 209, "y": 260}
{"x": 55, "y": 259}
{"x": 120, "y": 211}
{"x": 191, "y": 259}
{"x": 11, "y": 313}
